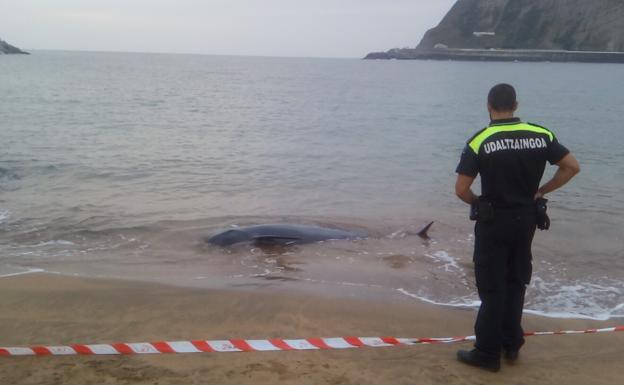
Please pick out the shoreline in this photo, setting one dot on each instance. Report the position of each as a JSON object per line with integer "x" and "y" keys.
{"x": 49, "y": 309}
{"x": 330, "y": 290}
{"x": 500, "y": 55}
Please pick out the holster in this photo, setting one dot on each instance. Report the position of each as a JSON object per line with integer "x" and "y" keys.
{"x": 482, "y": 211}
{"x": 541, "y": 217}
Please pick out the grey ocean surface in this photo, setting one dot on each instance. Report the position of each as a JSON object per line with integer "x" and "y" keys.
{"x": 118, "y": 165}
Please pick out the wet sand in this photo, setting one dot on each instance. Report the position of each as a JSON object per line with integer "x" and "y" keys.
{"x": 49, "y": 309}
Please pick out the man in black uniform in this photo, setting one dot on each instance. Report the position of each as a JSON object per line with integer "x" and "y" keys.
{"x": 510, "y": 156}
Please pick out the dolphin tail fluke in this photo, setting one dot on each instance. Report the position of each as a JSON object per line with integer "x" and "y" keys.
{"x": 423, "y": 233}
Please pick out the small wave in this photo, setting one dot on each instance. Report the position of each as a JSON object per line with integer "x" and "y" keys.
{"x": 54, "y": 243}
{"x": 576, "y": 299}
{"x": 59, "y": 242}
{"x": 4, "y": 215}
{"x": 28, "y": 271}
{"x": 8, "y": 174}
{"x": 570, "y": 302}
{"x": 450, "y": 263}
{"x": 466, "y": 304}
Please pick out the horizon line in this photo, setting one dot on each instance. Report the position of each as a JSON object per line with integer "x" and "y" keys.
{"x": 191, "y": 53}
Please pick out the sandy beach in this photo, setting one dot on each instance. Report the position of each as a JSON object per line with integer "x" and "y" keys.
{"x": 54, "y": 310}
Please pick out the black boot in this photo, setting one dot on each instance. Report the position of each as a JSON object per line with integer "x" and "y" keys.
{"x": 476, "y": 358}
{"x": 511, "y": 355}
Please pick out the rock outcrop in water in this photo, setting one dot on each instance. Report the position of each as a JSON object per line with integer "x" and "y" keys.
{"x": 6, "y": 48}
{"x": 501, "y": 27}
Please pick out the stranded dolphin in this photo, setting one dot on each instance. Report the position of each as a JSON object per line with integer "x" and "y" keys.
{"x": 286, "y": 234}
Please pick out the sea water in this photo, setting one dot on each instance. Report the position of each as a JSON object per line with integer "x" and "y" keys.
{"x": 118, "y": 165}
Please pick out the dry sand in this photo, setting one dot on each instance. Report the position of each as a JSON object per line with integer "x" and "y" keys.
{"x": 55, "y": 310}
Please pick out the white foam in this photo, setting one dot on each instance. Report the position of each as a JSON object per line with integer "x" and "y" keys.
{"x": 577, "y": 299}
{"x": 443, "y": 257}
{"x": 4, "y": 215}
{"x": 571, "y": 302}
{"x": 356, "y": 284}
{"x": 467, "y": 304}
{"x": 54, "y": 243}
{"x": 28, "y": 271}
{"x": 398, "y": 234}
{"x": 568, "y": 315}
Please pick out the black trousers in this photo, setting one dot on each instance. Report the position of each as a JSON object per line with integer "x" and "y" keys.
{"x": 502, "y": 259}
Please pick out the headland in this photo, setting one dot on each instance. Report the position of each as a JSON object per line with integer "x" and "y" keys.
{"x": 523, "y": 30}
{"x": 8, "y": 49}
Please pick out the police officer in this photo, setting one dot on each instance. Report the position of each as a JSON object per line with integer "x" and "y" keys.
{"x": 510, "y": 155}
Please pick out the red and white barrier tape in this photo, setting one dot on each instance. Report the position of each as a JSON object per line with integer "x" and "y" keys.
{"x": 225, "y": 346}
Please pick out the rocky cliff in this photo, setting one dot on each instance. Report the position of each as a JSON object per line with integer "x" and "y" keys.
{"x": 573, "y": 25}
{"x": 6, "y": 48}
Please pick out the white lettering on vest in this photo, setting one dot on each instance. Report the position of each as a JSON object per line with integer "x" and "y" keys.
{"x": 514, "y": 144}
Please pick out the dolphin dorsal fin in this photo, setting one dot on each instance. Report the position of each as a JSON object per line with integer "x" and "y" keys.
{"x": 423, "y": 233}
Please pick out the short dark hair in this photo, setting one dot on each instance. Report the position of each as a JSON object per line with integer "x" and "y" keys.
{"x": 502, "y": 97}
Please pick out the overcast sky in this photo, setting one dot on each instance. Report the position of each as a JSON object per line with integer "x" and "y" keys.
{"x": 316, "y": 28}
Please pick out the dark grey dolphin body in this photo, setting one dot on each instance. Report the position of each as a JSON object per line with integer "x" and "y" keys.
{"x": 286, "y": 234}
{"x": 281, "y": 234}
